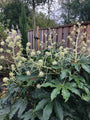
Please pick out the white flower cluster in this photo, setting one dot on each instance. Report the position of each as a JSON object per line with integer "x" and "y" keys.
{"x": 2, "y": 43}
{"x": 41, "y": 74}
{"x": 1, "y": 50}
{"x": 5, "y": 79}
{"x": 1, "y": 67}
{"x": 54, "y": 62}
{"x": 40, "y": 62}
{"x": 33, "y": 53}
{"x": 47, "y": 53}
{"x": 28, "y": 73}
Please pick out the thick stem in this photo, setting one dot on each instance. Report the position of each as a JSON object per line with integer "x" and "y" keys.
{"x": 76, "y": 46}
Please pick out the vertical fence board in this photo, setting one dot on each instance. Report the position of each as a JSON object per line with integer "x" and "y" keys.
{"x": 54, "y": 35}
{"x": 65, "y": 33}
{"x": 59, "y": 32}
{"x": 45, "y": 34}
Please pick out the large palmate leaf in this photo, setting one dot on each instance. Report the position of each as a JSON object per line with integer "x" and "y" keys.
{"x": 47, "y": 111}
{"x": 58, "y": 110}
{"x": 19, "y": 106}
{"x": 4, "y": 112}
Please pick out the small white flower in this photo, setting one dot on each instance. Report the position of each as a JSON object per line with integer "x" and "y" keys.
{"x": 1, "y": 49}
{"x": 24, "y": 59}
{"x": 54, "y": 62}
{"x": 1, "y": 67}
{"x": 49, "y": 47}
{"x": 10, "y": 44}
{"x": 28, "y": 73}
{"x": 40, "y": 62}
{"x": 13, "y": 67}
{"x": 27, "y": 49}
{"x": 8, "y": 51}
{"x": 62, "y": 53}
{"x": 19, "y": 64}
{"x": 5, "y": 79}
{"x": 38, "y": 86}
{"x": 48, "y": 53}
{"x": 32, "y": 53}
{"x": 56, "y": 55}
{"x": 31, "y": 60}
{"x": 38, "y": 52}
{"x": 41, "y": 74}
{"x": 28, "y": 44}
{"x": 19, "y": 53}
{"x": 2, "y": 43}
{"x": 18, "y": 58}
{"x": 13, "y": 31}
{"x": 17, "y": 37}
{"x": 2, "y": 57}
{"x": 11, "y": 74}
{"x": 88, "y": 41}
{"x": 61, "y": 47}
{"x": 7, "y": 40}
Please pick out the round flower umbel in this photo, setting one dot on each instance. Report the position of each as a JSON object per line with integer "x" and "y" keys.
{"x": 41, "y": 74}
{"x": 54, "y": 62}
{"x": 47, "y": 53}
{"x": 2, "y": 57}
{"x": 40, "y": 62}
{"x": 1, "y": 50}
{"x": 5, "y": 79}
{"x": 1, "y": 67}
{"x": 13, "y": 67}
{"x": 38, "y": 52}
{"x": 33, "y": 53}
{"x": 28, "y": 73}
{"x": 38, "y": 86}
{"x": 2, "y": 43}
{"x": 11, "y": 74}
{"x": 28, "y": 44}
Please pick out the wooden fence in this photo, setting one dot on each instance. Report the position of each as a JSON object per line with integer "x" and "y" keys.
{"x": 58, "y": 34}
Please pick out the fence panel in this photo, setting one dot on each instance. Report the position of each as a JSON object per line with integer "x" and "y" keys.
{"x": 58, "y": 34}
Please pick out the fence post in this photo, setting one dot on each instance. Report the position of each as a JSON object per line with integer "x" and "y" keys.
{"x": 38, "y": 35}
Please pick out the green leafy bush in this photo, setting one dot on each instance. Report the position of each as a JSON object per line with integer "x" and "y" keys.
{"x": 2, "y": 32}
{"x": 52, "y": 84}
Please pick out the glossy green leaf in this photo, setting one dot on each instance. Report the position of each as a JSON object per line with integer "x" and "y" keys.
{"x": 41, "y": 104}
{"x": 58, "y": 110}
{"x": 86, "y": 97}
{"x": 48, "y": 85}
{"x": 77, "y": 67}
{"x": 47, "y": 111}
{"x": 65, "y": 94}
{"x": 75, "y": 90}
{"x": 54, "y": 93}
{"x": 63, "y": 74}
{"x": 86, "y": 68}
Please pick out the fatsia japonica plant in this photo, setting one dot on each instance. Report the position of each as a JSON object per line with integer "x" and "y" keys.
{"x": 52, "y": 84}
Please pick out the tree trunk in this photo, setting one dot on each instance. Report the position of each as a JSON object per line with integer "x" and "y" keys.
{"x": 34, "y": 23}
